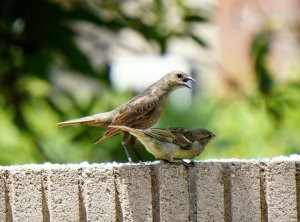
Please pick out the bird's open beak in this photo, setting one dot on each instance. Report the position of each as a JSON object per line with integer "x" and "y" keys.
{"x": 186, "y": 80}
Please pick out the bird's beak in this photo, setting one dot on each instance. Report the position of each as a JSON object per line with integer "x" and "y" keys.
{"x": 186, "y": 80}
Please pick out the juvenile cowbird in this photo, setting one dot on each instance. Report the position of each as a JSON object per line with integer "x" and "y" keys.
{"x": 171, "y": 144}
{"x": 142, "y": 111}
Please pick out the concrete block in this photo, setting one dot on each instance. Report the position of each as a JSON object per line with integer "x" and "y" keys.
{"x": 210, "y": 191}
{"x": 173, "y": 192}
{"x": 245, "y": 191}
{"x": 99, "y": 194}
{"x": 216, "y": 190}
{"x": 134, "y": 196}
{"x": 2, "y": 195}
{"x": 63, "y": 193}
{"x": 26, "y": 193}
{"x": 280, "y": 190}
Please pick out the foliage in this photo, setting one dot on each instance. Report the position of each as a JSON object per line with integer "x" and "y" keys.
{"x": 37, "y": 37}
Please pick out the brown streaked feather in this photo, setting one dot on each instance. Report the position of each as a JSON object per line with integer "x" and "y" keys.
{"x": 160, "y": 134}
{"x": 184, "y": 137}
{"x": 172, "y": 135}
{"x": 134, "y": 112}
{"x": 142, "y": 113}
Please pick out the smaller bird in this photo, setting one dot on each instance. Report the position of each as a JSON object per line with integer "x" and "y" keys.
{"x": 171, "y": 144}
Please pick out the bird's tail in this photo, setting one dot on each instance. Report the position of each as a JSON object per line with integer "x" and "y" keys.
{"x": 99, "y": 120}
{"x": 132, "y": 131}
{"x": 83, "y": 120}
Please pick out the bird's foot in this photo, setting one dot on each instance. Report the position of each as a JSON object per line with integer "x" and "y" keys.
{"x": 165, "y": 161}
{"x": 188, "y": 164}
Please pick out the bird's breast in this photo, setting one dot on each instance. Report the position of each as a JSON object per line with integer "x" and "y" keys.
{"x": 160, "y": 150}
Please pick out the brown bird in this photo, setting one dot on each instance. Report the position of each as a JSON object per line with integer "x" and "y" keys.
{"x": 142, "y": 111}
{"x": 171, "y": 144}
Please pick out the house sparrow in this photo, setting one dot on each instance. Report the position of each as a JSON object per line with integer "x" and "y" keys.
{"x": 171, "y": 144}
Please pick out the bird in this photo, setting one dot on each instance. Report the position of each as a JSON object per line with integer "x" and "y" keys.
{"x": 142, "y": 111}
{"x": 171, "y": 144}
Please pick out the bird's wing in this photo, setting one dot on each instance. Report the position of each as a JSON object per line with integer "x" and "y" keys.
{"x": 183, "y": 137}
{"x": 172, "y": 135}
{"x": 138, "y": 113}
{"x": 163, "y": 135}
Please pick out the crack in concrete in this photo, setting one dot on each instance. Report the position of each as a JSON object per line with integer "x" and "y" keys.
{"x": 298, "y": 189}
{"x": 45, "y": 207}
{"x": 118, "y": 207}
{"x": 9, "y": 216}
{"x": 262, "y": 184}
{"x": 192, "y": 189}
{"x": 227, "y": 193}
{"x": 82, "y": 210}
{"x": 155, "y": 195}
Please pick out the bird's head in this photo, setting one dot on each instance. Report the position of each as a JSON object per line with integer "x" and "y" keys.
{"x": 177, "y": 79}
{"x": 203, "y": 136}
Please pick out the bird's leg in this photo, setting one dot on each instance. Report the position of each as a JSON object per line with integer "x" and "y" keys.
{"x": 132, "y": 144}
{"x": 125, "y": 138}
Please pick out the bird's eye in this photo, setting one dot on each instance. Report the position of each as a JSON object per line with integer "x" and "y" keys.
{"x": 179, "y": 75}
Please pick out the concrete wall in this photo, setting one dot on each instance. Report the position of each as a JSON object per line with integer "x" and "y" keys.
{"x": 215, "y": 190}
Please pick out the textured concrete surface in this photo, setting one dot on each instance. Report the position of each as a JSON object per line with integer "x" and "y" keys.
{"x": 98, "y": 193}
{"x": 281, "y": 191}
{"x": 2, "y": 196}
{"x": 134, "y": 195}
{"x": 26, "y": 195}
{"x": 212, "y": 190}
{"x": 245, "y": 191}
{"x": 173, "y": 192}
{"x": 63, "y": 193}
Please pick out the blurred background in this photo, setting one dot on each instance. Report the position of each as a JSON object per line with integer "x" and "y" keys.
{"x": 66, "y": 59}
